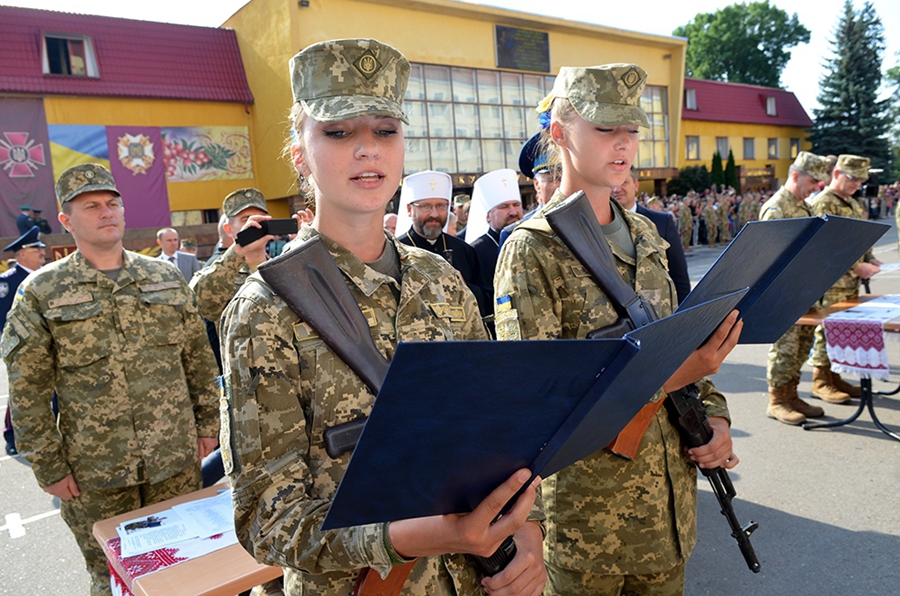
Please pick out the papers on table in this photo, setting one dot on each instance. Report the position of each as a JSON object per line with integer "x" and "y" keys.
{"x": 196, "y": 519}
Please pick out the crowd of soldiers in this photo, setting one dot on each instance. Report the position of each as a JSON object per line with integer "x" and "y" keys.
{"x": 120, "y": 340}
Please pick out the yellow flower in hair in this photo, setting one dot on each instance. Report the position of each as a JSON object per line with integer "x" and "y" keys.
{"x": 545, "y": 104}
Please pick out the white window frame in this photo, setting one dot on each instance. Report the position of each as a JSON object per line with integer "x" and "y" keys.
{"x": 90, "y": 57}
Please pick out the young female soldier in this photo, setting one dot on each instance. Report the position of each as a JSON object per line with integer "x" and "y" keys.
{"x": 614, "y": 526}
{"x": 287, "y": 386}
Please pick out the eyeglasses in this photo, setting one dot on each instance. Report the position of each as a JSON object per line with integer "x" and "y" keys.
{"x": 852, "y": 178}
{"x": 441, "y": 207}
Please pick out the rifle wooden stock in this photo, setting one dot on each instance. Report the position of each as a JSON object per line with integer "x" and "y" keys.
{"x": 628, "y": 440}
{"x": 369, "y": 583}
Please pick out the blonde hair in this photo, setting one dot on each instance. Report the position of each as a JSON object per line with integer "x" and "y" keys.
{"x": 305, "y": 186}
{"x": 563, "y": 112}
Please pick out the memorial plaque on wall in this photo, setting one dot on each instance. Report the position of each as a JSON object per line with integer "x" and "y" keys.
{"x": 522, "y": 49}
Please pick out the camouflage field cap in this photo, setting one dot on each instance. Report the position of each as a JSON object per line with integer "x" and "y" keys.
{"x": 854, "y": 165}
{"x": 814, "y": 165}
{"x": 607, "y": 95}
{"x": 345, "y": 78}
{"x": 188, "y": 243}
{"x": 461, "y": 199}
{"x": 241, "y": 199}
{"x": 83, "y": 178}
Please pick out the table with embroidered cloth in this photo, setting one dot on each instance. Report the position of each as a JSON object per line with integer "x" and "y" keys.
{"x": 856, "y": 332}
{"x": 191, "y": 568}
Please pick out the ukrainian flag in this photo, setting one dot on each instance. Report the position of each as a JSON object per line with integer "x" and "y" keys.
{"x": 75, "y": 144}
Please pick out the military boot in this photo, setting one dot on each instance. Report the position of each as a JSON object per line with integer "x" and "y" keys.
{"x": 808, "y": 410}
{"x": 848, "y": 388}
{"x": 781, "y": 407}
{"x": 823, "y": 387}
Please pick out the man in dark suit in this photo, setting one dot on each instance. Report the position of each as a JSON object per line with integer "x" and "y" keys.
{"x": 667, "y": 228}
{"x": 30, "y": 256}
{"x": 422, "y": 220}
{"x": 24, "y": 221}
{"x": 167, "y": 239}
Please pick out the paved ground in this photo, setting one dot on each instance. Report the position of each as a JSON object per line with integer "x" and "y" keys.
{"x": 828, "y": 501}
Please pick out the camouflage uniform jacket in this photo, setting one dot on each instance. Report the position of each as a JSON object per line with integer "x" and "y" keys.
{"x": 218, "y": 282}
{"x": 829, "y": 202}
{"x": 784, "y": 205}
{"x": 605, "y": 514}
{"x": 130, "y": 362}
{"x": 287, "y": 387}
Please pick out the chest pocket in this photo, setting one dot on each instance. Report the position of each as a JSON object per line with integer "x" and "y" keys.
{"x": 80, "y": 334}
{"x": 161, "y": 314}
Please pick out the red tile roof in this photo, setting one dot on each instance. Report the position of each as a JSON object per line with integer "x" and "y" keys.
{"x": 735, "y": 102}
{"x": 134, "y": 58}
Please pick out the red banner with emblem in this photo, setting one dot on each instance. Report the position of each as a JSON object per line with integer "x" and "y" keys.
{"x": 26, "y": 174}
{"x": 137, "y": 165}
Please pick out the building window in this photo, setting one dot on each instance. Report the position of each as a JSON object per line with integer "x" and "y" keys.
{"x": 67, "y": 54}
{"x": 771, "y": 110}
{"x": 722, "y": 146}
{"x": 749, "y": 148}
{"x": 692, "y": 148}
{"x": 690, "y": 99}
{"x": 773, "y": 149}
{"x": 653, "y": 150}
{"x": 465, "y": 120}
{"x": 795, "y": 148}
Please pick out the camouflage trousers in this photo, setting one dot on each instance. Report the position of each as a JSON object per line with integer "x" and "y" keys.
{"x": 686, "y": 235}
{"x": 81, "y": 512}
{"x": 724, "y": 233}
{"x": 787, "y": 355}
{"x": 712, "y": 233}
{"x": 819, "y": 357}
{"x": 568, "y": 582}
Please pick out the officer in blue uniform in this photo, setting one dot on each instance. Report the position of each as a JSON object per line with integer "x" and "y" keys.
{"x": 29, "y": 255}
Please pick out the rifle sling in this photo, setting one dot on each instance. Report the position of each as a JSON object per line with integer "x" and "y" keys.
{"x": 576, "y": 225}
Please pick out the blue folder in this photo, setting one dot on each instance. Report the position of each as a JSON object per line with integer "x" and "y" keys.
{"x": 437, "y": 443}
{"x": 788, "y": 264}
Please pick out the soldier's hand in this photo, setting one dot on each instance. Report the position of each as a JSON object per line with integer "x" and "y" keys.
{"x": 471, "y": 533}
{"x": 304, "y": 216}
{"x": 867, "y": 270}
{"x": 718, "y": 453}
{"x": 526, "y": 573}
{"x": 255, "y": 252}
{"x": 65, "y": 489}
{"x": 206, "y": 445}
{"x": 707, "y": 359}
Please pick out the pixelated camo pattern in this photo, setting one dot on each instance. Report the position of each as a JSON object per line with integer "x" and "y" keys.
{"x": 784, "y": 205}
{"x": 130, "y": 362}
{"x": 288, "y": 387}
{"x": 604, "y": 514}
{"x": 609, "y": 94}
{"x": 217, "y": 283}
{"x": 828, "y": 202}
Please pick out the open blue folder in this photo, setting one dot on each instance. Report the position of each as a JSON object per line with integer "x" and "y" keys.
{"x": 788, "y": 264}
{"x": 437, "y": 444}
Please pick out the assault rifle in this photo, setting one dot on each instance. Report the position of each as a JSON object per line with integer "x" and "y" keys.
{"x": 576, "y": 224}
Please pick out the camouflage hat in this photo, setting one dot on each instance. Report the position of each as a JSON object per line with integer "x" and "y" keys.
{"x": 854, "y": 165}
{"x": 814, "y": 165}
{"x": 188, "y": 243}
{"x": 345, "y": 78}
{"x": 83, "y": 178}
{"x": 241, "y": 199}
{"x": 461, "y": 199}
{"x": 608, "y": 95}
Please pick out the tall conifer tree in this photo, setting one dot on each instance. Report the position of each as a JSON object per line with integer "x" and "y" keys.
{"x": 716, "y": 173}
{"x": 731, "y": 171}
{"x": 851, "y": 119}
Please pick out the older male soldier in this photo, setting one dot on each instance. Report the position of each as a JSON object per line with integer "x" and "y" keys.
{"x": 30, "y": 256}
{"x": 544, "y": 171}
{"x": 496, "y": 203}
{"x": 167, "y": 239}
{"x": 849, "y": 173}
{"x": 667, "y": 228}
{"x": 119, "y": 337}
{"x": 422, "y": 221}
{"x": 787, "y": 355}
{"x": 217, "y": 284}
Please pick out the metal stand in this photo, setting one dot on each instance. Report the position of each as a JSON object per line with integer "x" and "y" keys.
{"x": 865, "y": 400}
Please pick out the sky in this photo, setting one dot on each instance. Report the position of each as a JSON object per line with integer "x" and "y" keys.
{"x": 659, "y": 17}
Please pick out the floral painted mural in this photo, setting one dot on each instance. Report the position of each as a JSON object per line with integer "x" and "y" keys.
{"x": 206, "y": 153}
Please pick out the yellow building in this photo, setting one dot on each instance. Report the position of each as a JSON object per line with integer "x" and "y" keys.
{"x": 477, "y": 74}
{"x": 765, "y": 128}
{"x": 165, "y": 107}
